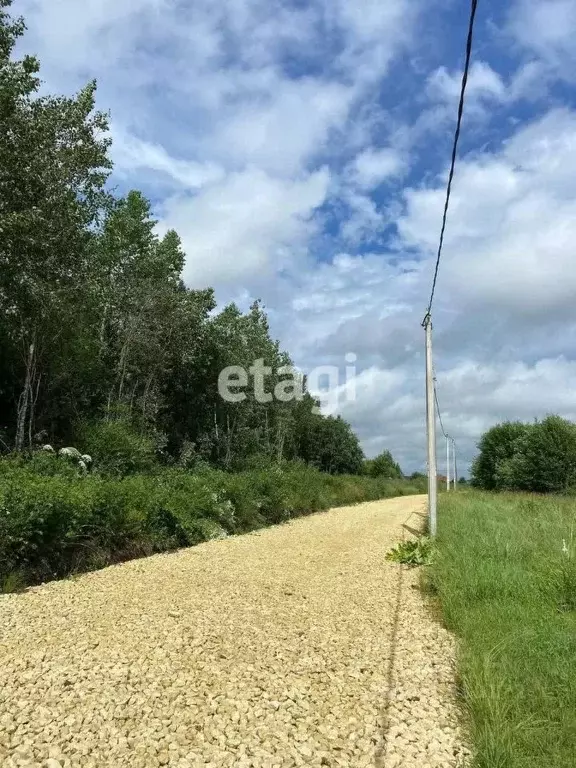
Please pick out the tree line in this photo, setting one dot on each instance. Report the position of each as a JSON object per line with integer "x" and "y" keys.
{"x": 538, "y": 457}
{"x": 101, "y": 342}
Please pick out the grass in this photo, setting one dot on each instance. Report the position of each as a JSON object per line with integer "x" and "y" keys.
{"x": 505, "y": 576}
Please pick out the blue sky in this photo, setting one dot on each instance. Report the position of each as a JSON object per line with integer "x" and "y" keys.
{"x": 300, "y": 149}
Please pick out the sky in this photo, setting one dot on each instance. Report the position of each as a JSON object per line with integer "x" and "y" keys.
{"x": 301, "y": 147}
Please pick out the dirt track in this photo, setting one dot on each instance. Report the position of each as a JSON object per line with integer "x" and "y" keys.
{"x": 296, "y": 645}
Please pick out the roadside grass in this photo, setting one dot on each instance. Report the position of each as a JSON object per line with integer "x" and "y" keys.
{"x": 505, "y": 577}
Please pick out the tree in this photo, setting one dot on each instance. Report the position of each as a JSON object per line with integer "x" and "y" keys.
{"x": 539, "y": 457}
{"x": 53, "y": 166}
{"x": 383, "y": 465}
{"x": 545, "y": 461}
{"x": 100, "y": 340}
{"x": 497, "y": 448}
{"x": 328, "y": 442}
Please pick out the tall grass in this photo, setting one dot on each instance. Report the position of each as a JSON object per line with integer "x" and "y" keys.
{"x": 505, "y": 575}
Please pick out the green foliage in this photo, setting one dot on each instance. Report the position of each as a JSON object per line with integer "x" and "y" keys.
{"x": 497, "y": 449}
{"x": 546, "y": 457}
{"x": 104, "y": 348}
{"x": 55, "y": 524}
{"x": 383, "y": 465}
{"x": 539, "y": 457}
{"x": 117, "y": 448}
{"x": 505, "y": 577}
{"x": 12, "y": 582}
{"x": 412, "y": 552}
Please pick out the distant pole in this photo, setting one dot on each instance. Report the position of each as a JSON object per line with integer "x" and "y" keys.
{"x": 455, "y": 473}
{"x": 430, "y": 429}
{"x": 447, "y": 463}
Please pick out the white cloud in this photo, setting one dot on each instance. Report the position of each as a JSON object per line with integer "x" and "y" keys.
{"x": 365, "y": 221}
{"x": 484, "y": 85}
{"x": 373, "y": 166}
{"x": 282, "y": 126}
{"x": 248, "y": 224}
{"x": 512, "y": 222}
{"x": 132, "y": 155}
{"x": 374, "y": 31}
{"x": 547, "y": 28}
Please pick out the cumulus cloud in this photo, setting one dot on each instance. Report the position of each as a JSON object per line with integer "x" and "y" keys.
{"x": 546, "y": 28}
{"x": 512, "y": 222}
{"x": 373, "y": 166}
{"x": 249, "y": 223}
{"x": 484, "y": 85}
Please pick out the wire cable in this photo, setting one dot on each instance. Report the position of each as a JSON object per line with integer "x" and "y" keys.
{"x": 473, "y": 7}
{"x": 438, "y": 412}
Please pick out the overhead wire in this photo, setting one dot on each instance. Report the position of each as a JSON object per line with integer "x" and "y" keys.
{"x": 438, "y": 411}
{"x": 464, "y": 82}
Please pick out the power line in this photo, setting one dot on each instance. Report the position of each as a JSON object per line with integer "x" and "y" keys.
{"x": 454, "y": 150}
{"x": 438, "y": 411}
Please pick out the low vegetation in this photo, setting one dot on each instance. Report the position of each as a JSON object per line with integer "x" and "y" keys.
{"x": 412, "y": 552}
{"x": 505, "y": 575}
{"x": 54, "y": 521}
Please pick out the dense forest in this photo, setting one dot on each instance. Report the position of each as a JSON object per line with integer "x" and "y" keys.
{"x": 96, "y": 323}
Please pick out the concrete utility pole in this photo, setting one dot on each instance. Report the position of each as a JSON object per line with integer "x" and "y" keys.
{"x": 455, "y": 479}
{"x": 447, "y": 463}
{"x": 431, "y": 429}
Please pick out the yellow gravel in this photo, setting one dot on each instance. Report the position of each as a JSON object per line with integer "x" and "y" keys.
{"x": 296, "y": 645}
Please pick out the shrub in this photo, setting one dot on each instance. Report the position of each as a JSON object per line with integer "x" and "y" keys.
{"x": 117, "y": 448}
{"x": 54, "y": 525}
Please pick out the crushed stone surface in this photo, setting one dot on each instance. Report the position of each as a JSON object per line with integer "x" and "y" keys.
{"x": 293, "y": 646}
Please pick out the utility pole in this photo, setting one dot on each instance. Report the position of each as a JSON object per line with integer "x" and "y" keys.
{"x": 430, "y": 429}
{"x": 447, "y": 463}
{"x": 455, "y": 473}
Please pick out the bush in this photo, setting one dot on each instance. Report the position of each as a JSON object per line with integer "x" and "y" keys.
{"x": 54, "y": 525}
{"x": 117, "y": 448}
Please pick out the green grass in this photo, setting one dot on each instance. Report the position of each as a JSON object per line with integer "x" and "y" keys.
{"x": 505, "y": 576}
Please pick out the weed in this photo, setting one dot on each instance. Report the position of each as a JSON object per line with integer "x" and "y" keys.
{"x": 53, "y": 524}
{"x": 412, "y": 552}
{"x": 12, "y": 582}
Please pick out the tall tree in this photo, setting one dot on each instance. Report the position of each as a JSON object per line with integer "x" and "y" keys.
{"x": 53, "y": 167}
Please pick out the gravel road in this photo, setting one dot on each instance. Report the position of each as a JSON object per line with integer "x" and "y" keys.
{"x": 296, "y": 645}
